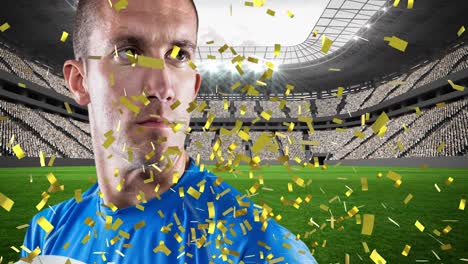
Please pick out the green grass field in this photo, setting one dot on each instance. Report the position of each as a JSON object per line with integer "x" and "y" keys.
{"x": 383, "y": 200}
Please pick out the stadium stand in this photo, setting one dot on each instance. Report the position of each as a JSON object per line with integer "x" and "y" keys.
{"x": 421, "y": 137}
{"x": 271, "y": 151}
{"x": 355, "y": 100}
{"x": 49, "y": 132}
{"x": 450, "y": 139}
{"x": 327, "y": 107}
{"x": 292, "y": 142}
{"x": 444, "y": 66}
{"x": 298, "y": 108}
{"x": 274, "y": 107}
{"x": 217, "y": 108}
{"x": 249, "y": 109}
{"x": 32, "y": 72}
{"x": 379, "y": 93}
{"x": 200, "y": 143}
{"x": 30, "y": 142}
{"x": 418, "y": 130}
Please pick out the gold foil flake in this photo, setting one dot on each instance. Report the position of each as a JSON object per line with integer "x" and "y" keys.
{"x": 396, "y": 43}
{"x": 19, "y": 153}
{"x": 6, "y": 203}
{"x": 419, "y": 226}
{"x": 45, "y": 224}
{"x": 406, "y": 250}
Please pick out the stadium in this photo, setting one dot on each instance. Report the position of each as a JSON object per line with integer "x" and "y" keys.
{"x": 356, "y": 135}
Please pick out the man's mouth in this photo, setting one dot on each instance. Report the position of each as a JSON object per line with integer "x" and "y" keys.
{"x": 153, "y": 122}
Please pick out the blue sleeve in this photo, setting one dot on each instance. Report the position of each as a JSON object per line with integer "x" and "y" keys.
{"x": 278, "y": 241}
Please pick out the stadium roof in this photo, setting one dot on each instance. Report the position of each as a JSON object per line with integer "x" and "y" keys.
{"x": 338, "y": 20}
{"x": 428, "y": 27}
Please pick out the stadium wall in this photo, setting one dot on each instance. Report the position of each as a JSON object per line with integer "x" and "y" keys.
{"x": 13, "y": 162}
{"x": 437, "y": 162}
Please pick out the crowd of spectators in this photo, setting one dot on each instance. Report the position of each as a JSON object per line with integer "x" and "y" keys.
{"x": 355, "y": 100}
{"x": 274, "y": 107}
{"x": 294, "y": 108}
{"x": 451, "y": 139}
{"x": 444, "y": 67}
{"x": 328, "y": 106}
{"x": 381, "y": 92}
{"x": 217, "y": 108}
{"x": 37, "y": 124}
{"x": 293, "y": 142}
{"x": 269, "y": 152}
{"x": 249, "y": 109}
{"x": 375, "y": 142}
{"x": 74, "y": 131}
{"x": 200, "y": 143}
{"x": 29, "y": 142}
{"x": 419, "y": 129}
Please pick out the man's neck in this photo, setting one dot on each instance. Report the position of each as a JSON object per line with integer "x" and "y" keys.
{"x": 161, "y": 182}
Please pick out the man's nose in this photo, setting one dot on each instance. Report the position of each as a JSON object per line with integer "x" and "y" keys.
{"x": 159, "y": 84}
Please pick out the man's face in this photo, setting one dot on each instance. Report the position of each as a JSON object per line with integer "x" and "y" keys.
{"x": 149, "y": 28}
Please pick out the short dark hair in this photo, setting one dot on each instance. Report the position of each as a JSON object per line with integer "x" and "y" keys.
{"x": 85, "y": 18}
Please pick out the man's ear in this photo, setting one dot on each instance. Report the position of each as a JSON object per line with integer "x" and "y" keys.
{"x": 74, "y": 74}
{"x": 198, "y": 80}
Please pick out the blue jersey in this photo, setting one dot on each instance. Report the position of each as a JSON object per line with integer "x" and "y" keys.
{"x": 198, "y": 220}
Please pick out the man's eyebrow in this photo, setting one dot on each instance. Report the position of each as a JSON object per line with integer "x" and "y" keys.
{"x": 127, "y": 39}
{"x": 184, "y": 43}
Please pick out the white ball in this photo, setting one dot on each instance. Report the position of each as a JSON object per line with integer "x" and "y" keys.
{"x": 51, "y": 259}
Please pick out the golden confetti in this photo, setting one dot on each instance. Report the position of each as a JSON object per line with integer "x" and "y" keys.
{"x": 6, "y": 202}
{"x": 366, "y": 247}
{"x": 67, "y": 106}
{"x": 277, "y": 50}
{"x": 368, "y": 224}
{"x": 462, "y": 204}
{"x": 44, "y": 224}
{"x": 456, "y": 86}
{"x": 162, "y": 248}
{"x": 64, "y": 36}
{"x": 121, "y": 4}
{"x": 19, "y": 153}
{"x": 406, "y": 250}
{"x": 78, "y": 196}
{"x": 397, "y": 43}
{"x": 449, "y": 181}
{"x": 410, "y": 4}
{"x": 419, "y": 226}
{"x": 175, "y": 51}
{"x": 270, "y": 12}
{"x": 150, "y": 62}
{"x": 364, "y": 185}
{"x": 377, "y": 258}
{"x": 4, "y": 27}
{"x": 326, "y": 44}
{"x": 408, "y": 198}
{"x": 193, "y": 192}
{"x": 459, "y": 33}
{"x": 380, "y": 122}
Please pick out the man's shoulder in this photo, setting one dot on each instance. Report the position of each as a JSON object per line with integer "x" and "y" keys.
{"x": 217, "y": 184}
{"x": 54, "y": 214}
{"x": 48, "y": 222}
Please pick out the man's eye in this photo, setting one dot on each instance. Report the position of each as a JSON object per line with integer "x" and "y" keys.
{"x": 182, "y": 56}
{"x": 127, "y": 55}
